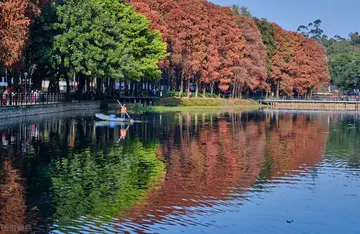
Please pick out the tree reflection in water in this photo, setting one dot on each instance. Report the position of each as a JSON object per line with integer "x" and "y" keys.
{"x": 12, "y": 199}
{"x": 175, "y": 164}
{"x": 221, "y": 157}
{"x": 344, "y": 140}
{"x": 74, "y": 170}
{"x": 103, "y": 183}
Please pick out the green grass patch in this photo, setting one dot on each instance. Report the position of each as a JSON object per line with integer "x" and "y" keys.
{"x": 201, "y": 104}
{"x": 198, "y": 109}
{"x": 206, "y": 102}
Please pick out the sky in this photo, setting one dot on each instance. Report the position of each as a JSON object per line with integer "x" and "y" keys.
{"x": 339, "y": 17}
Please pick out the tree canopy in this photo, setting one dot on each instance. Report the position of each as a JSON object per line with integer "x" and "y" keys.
{"x": 15, "y": 19}
{"x": 229, "y": 49}
{"x": 186, "y": 43}
{"x": 343, "y": 55}
{"x": 107, "y": 38}
{"x": 345, "y": 71}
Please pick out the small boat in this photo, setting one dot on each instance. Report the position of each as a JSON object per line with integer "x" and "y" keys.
{"x": 112, "y": 118}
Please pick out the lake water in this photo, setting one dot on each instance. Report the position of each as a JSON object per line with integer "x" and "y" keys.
{"x": 238, "y": 172}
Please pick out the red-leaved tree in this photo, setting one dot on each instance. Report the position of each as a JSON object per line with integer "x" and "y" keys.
{"x": 15, "y": 19}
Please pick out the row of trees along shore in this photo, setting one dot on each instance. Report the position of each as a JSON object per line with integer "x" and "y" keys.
{"x": 343, "y": 54}
{"x": 171, "y": 43}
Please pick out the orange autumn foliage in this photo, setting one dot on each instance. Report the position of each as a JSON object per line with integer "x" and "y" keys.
{"x": 296, "y": 144}
{"x": 12, "y": 199}
{"x": 299, "y": 64}
{"x": 255, "y": 54}
{"x": 15, "y": 19}
{"x": 209, "y": 45}
{"x": 309, "y": 69}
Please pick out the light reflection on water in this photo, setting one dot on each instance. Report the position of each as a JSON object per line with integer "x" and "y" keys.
{"x": 267, "y": 172}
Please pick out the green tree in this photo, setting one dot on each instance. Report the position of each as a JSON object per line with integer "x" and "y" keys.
{"x": 312, "y": 30}
{"x": 345, "y": 71}
{"x": 336, "y": 47}
{"x": 241, "y": 10}
{"x": 315, "y": 30}
{"x": 40, "y": 51}
{"x": 267, "y": 34}
{"x": 303, "y": 30}
{"x": 355, "y": 38}
{"x": 97, "y": 39}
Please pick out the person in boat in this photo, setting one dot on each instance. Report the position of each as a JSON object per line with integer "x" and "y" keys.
{"x": 123, "y": 111}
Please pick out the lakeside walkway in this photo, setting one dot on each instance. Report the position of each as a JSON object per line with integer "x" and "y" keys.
{"x": 311, "y": 104}
{"x": 30, "y": 100}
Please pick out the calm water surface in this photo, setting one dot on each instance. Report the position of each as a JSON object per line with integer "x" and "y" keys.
{"x": 256, "y": 172}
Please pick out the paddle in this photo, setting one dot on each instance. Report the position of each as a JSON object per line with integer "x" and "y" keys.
{"x": 125, "y": 112}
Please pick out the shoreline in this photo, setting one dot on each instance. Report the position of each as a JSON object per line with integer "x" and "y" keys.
{"x": 14, "y": 112}
{"x": 50, "y": 116}
{"x": 311, "y": 105}
{"x": 198, "y": 108}
{"x": 171, "y": 105}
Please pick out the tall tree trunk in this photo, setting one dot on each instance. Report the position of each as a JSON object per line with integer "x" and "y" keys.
{"x": 212, "y": 88}
{"x": 57, "y": 84}
{"x": 133, "y": 88}
{"x": 181, "y": 86}
{"x": 233, "y": 91}
{"x": 188, "y": 88}
{"x": 64, "y": 75}
{"x": 139, "y": 89}
{"x": 106, "y": 83}
{"x": 51, "y": 83}
{"x": 278, "y": 89}
{"x": 204, "y": 91}
{"x": 99, "y": 85}
{"x": 67, "y": 86}
{"x": 197, "y": 89}
{"x": 88, "y": 84}
{"x": 38, "y": 77}
{"x": 81, "y": 84}
{"x": 166, "y": 80}
{"x": 75, "y": 84}
{"x": 112, "y": 86}
{"x": 54, "y": 83}
{"x": 130, "y": 88}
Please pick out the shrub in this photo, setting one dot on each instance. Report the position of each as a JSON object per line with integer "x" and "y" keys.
{"x": 167, "y": 94}
{"x": 201, "y": 102}
{"x": 171, "y": 104}
{"x": 208, "y": 95}
{"x": 171, "y": 101}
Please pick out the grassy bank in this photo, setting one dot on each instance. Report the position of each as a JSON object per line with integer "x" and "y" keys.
{"x": 201, "y": 104}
